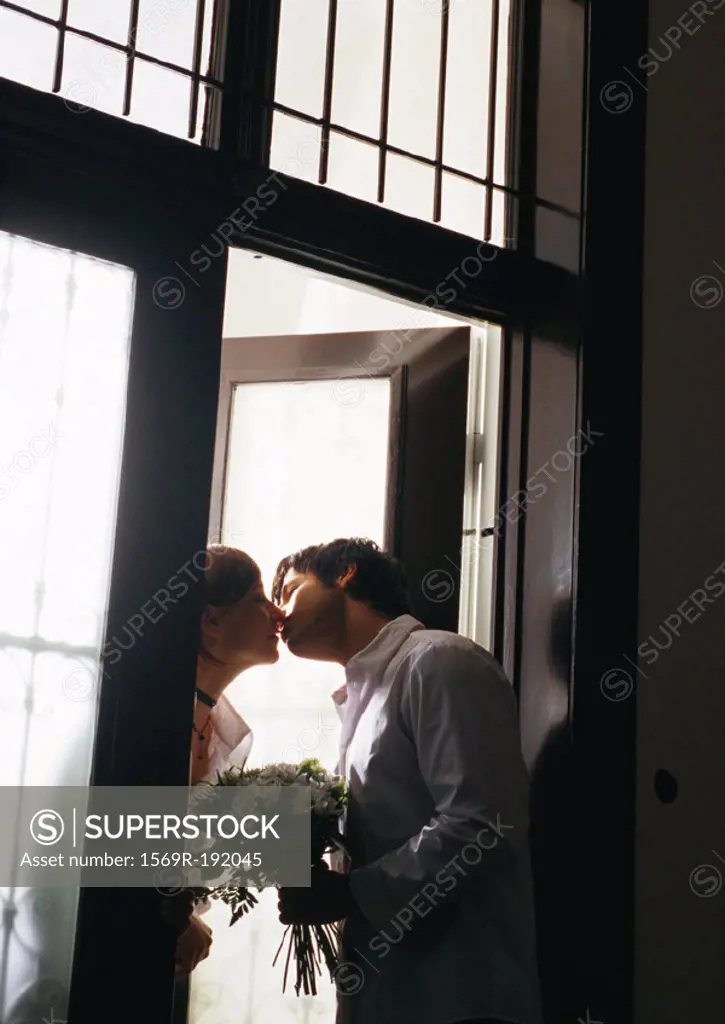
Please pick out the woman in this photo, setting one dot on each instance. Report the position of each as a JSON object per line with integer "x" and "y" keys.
{"x": 239, "y": 629}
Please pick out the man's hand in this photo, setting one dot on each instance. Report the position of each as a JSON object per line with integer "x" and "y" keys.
{"x": 193, "y": 947}
{"x": 328, "y": 899}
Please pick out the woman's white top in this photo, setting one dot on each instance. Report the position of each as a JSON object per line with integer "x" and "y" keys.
{"x": 231, "y": 739}
{"x": 230, "y": 744}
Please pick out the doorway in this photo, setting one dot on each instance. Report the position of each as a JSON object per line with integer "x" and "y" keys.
{"x": 337, "y": 418}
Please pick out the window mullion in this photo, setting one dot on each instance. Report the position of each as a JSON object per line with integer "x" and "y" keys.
{"x": 327, "y": 102}
{"x": 246, "y": 51}
{"x": 440, "y": 126}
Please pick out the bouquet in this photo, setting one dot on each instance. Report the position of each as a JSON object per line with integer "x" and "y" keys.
{"x": 308, "y": 945}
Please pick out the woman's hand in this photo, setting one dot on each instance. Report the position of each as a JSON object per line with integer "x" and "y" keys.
{"x": 192, "y": 947}
{"x": 177, "y": 911}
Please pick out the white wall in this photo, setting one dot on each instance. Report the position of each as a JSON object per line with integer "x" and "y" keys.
{"x": 681, "y": 707}
{"x": 268, "y": 296}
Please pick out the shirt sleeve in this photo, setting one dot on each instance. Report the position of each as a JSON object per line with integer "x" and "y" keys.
{"x": 461, "y": 713}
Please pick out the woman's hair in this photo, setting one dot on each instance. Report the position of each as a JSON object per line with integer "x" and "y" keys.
{"x": 229, "y": 575}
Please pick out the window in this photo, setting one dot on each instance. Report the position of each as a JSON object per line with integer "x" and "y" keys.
{"x": 147, "y": 61}
{"x": 65, "y": 327}
{"x": 400, "y": 102}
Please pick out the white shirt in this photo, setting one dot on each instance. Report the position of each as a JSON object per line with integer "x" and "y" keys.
{"x": 230, "y": 744}
{"x": 231, "y": 739}
{"x": 437, "y": 830}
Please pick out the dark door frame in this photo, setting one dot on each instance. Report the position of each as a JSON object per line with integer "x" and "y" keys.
{"x": 567, "y": 363}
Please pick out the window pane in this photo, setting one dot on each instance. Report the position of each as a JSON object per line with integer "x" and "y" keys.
{"x": 289, "y": 484}
{"x": 296, "y": 148}
{"x": 357, "y": 82}
{"x": 462, "y": 205}
{"x": 467, "y": 86}
{"x": 50, "y": 8}
{"x": 414, "y": 88}
{"x": 498, "y": 218}
{"x": 353, "y": 167}
{"x": 499, "y": 163}
{"x": 409, "y": 187}
{"x": 65, "y": 322}
{"x": 414, "y": 78}
{"x": 283, "y": 481}
{"x": 93, "y": 75}
{"x": 27, "y": 50}
{"x": 168, "y": 33}
{"x": 301, "y": 55}
{"x": 109, "y": 20}
{"x": 160, "y": 98}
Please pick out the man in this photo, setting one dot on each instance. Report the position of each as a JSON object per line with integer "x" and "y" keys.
{"x": 437, "y": 904}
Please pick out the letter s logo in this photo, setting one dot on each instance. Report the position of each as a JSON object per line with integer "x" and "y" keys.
{"x": 47, "y": 827}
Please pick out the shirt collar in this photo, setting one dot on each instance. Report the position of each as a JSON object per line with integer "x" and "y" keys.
{"x": 372, "y": 660}
{"x": 228, "y": 723}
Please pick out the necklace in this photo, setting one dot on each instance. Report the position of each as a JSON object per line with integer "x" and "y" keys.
{"x": 205, "y": 698}
{"x": 201, "y": 733}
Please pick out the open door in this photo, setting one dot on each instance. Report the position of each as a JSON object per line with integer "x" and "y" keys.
{"x": 427, "y": 501}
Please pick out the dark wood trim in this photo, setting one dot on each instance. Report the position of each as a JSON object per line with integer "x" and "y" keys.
{"x": 301, "y": 222}
{"x": 356, "y": 241}
{"x": 572, "y": 561}
{"x": 607, "y": 541}
{"x": 106, "y": 152}
{"x": 255, "y": 76}
{"x": 100, "y": 146}
{"x": 491, "y": 127}
{"x": 396, "y": 459}
{"x": 510, "y": 531}
{"x": 562, "y": 621}
{"x": 522, "y": 105}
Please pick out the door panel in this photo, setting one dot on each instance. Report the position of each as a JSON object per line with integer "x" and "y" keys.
{"x": 432, "y": 474}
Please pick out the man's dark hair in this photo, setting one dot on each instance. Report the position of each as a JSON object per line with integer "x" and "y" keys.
{"x": 379, "y": 579}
